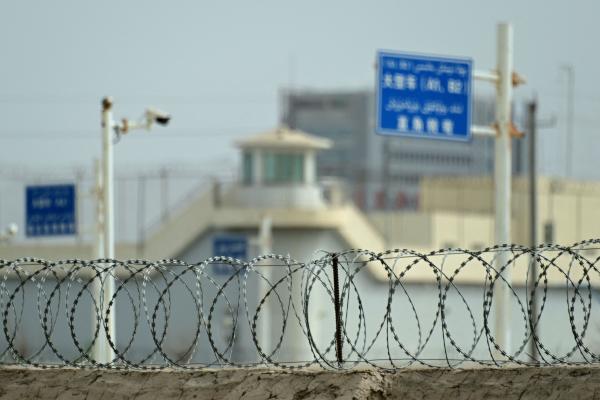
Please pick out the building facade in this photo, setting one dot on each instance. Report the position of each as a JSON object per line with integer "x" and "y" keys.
{"x": 384, "y": 172}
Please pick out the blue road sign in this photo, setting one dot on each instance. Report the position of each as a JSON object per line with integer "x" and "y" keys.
{"x": 50, "y": 210}
{"x": 423, "y": 96}
{"x": 229, "y": 246}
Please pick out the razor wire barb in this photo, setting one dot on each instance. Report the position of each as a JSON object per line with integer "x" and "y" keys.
{"x": 390, "y": 310}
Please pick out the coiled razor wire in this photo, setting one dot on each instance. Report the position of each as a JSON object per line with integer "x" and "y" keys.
{"x": 392, "y": 309}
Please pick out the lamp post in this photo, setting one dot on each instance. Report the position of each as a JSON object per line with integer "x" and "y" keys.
{"x": 104, "y": 289}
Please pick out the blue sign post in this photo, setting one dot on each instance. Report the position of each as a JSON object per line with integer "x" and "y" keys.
{"x": 50, "y": 210}
{"x": 423, "y": 96}
{"x": 229, "y": 246}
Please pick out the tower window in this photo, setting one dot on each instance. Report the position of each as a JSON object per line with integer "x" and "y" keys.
{"x": 247, "y": 168}
{"x": 283, "y": 167}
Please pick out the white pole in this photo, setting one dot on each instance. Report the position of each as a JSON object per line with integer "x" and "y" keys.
{"x": 103, "y": 353}
{"x": 99, "y": 346}
{"x": 99, "y": 248}
{"x": 502, "y": 180}
{"x": 265, "y": 240}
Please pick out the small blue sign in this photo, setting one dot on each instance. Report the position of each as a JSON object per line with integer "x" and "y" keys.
{"x": 50, "y": 210}
{"x": 229, "y": 246}
{"x": 423, "y": 96}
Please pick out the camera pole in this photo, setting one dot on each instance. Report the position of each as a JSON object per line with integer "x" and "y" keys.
{"x": 104, "y": 289}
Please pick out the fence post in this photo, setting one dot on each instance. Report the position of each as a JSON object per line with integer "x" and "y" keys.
{"x": 338, "y": 310}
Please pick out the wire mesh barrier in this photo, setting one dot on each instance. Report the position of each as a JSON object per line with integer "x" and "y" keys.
{"x": 389, "y": 310}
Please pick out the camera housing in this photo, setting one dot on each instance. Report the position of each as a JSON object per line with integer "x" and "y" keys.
{"x": 158, "y": 116}
{"x": 12, "y": 229}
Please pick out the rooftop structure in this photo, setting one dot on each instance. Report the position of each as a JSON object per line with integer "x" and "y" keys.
{"x": 279, "y": 170}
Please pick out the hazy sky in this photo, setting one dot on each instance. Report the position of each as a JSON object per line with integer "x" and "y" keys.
{"x": 218, "y": 66}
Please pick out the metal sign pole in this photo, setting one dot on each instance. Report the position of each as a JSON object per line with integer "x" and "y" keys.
{"x": 502, "y": 182}
{"x": 409, "y": 85}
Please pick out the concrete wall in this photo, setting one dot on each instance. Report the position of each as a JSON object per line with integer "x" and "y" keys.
{"x": 434, "y": 230}
{"x": 459, "y": 212}
{"x": 572, "y": 206}
{"x": 503, "y": 383}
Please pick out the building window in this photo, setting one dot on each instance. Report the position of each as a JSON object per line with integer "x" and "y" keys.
{"x": 247, "y": 168}
{"x": 283, "y": 168}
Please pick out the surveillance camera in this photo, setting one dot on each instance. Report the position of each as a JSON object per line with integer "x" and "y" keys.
{"x": 12, "y": 229}
{"x": 160, "y": 117}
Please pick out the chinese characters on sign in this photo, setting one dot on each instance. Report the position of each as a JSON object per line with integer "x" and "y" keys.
{"x": 423, "y": 96}
{"x": 50, "y": 210}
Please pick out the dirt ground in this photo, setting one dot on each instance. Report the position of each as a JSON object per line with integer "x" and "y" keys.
{"x": 505, "y": 383}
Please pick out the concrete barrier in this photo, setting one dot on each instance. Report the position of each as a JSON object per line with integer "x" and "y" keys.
{"x": 505, "y": 383}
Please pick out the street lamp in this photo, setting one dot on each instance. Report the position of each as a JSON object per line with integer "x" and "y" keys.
{"x": 105, "y": 289}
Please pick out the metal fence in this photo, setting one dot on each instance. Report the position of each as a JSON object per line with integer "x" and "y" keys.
{"x": 388, "y": 310}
